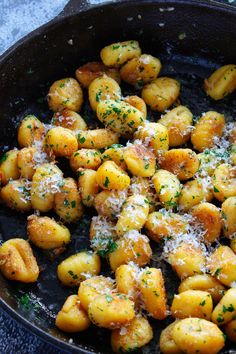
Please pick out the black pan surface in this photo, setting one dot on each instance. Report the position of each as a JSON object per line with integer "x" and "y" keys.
{"x": 192, "y": 38}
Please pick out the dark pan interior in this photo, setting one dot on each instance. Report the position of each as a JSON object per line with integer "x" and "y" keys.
{"x": 191, "y": 38}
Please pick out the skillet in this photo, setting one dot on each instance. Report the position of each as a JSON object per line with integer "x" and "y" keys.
{"x": 192, "y": 38}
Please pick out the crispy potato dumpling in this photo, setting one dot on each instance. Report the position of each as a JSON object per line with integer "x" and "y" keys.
{"x": 222, "y": 82}
{"x": 193, "y": 193}
{"x": 133, "y": 215}
{"x": 228, "y": 209}
{"x": 17, "y": 261}
{"x": 30, "y": 131}
{"x": 183, "y": 163}
{"x": 103, "y": 88}
{"x": 67, "y": 202}
{"x": 204, "y": 282}
{"x": 119, "y": 116}
{"x": 16, "y": 195}
{"x": 154, "y": 135}
{"x": 153, "y": 292}
{"x": 115, "y": 153}
{"x": 137, "y": 334}
{"x": 192, "y": 303}
{"x": 26, "y": 161}
{"x": 165, "y": 224}
{"x": 46, "y": 233}
{"x": 224, "y": 182}
{"x": 138, "y": 103}
{"x": 140, "y": 161}
{"x": 8, "y": 166}
{"x": 110, "y": 176}
{"x": 225, "y": 310}
{"x": 60, "y": 142}
{"x": 85, "y": 158}
{"x": 179, "y": 122}
{"x": 92, "y": 287}
{"x": 78, "y": 267}
{"x": 140, "y": 71}
{"x": 97, "y": 138}
{"x": 167, "y": 343}
{"x": 109, "y": 203}
{"x": 161, "y": 93}
{"x": 222, "y": 265}
{"x": 208, "y": 162}
{"x": 118, "y": 53}
{"x": 126, "y": 281}
{"x": 209, "y": 127}
{"x": 72, "y": 317}
{"x": 88, "y": 186}
{"x": 168, "y": 188}
{"x": 208, "y": 215}
{"x": 187, "y": 260}
{"x": 230, "y": 330}
{"x": 111, "y": 311}
{"x": 47, "y": 180}
{"x": 65, "y": 93}
{"x": 131, "y": 247}
{"x": 69, "y": 119}
{"x": 196, "y": 335}
{"x": 88, "y": 72}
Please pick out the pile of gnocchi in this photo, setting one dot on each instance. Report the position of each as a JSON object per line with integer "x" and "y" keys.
{"x": 172, "y": 181}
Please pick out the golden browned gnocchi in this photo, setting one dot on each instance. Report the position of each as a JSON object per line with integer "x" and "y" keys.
{"x": 103, "y": 88}
{"x": 141, "y": 70}
{"x": 88, "y": 186}
{"x": 92, "y": 287}
{"x": 69, "y": 119}
{"x": 8, "y": 166}
{"x": 78, "y": 267}
{"x": 230, "y": 330}
{"x": 65, "y": 93}
{"x": 127, "y": 281}
{"x": 46, "y": 233}
{"x": 116, "y": 154}
{"x": 193, "y": 193}
{"x": 209, "y": 127}
{"x": 110, "y": 176}
{"x": 161, "y": 93}
{"x": 16, "y": 195}
{"x": 119, "y": 116}
{"x": 67, "y": 202}
{"x": 222, "y": 265}
{"x": 140, "y": 161}
{"x": 168, "y": 188}
{"x": 167, "y": 343}
{"x": 86, "y": 73}
{"x": 225, "y": 310}
{"x": 133, "y": 215}
{"x": 60, "y": 141}
{"x": 196, "y": 335}
{"x": 109, "y": 203}
{"x": 162, "y": 223}
{"x": 208, "y": 215}
{"x": 179, "y": 124}
{"x": 111, "y": 311}
{"x": 138, "y": 103}
{"x": 187, "y": 260}
{"x": 118, "y": 53}
{"x": 97, "y": 138}
{"x": 17, "y": 261}
{"x": 204, "y": 282}
{"x": 26, "y": 161}
{"x": 224, "y": 182}
{"x": 221, "y": 82}
{"x": 228, "y": 210}
{"x": 183, "y": 163}
{"x": 137, "y": 334}
{"x": 85, "y": 158}
{"x": 153, "y": 292}
{"x": 192, "y": 303}
{"x": 132, "y": 247}
{"x": 30, "y": 131}
{"x": 154, "y": 135}
{"x": 72, "y": 317}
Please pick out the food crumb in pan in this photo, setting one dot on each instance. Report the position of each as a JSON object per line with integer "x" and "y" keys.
{"x": 130, "y": 18}
{"x": 70, "y": 41}
{"x": 161, "y": 24}
{"x": 182, "y": 35}
{"x": 163, "y": 9}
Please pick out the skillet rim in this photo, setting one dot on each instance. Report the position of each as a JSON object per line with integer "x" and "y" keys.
{"x": 70, "y": 12}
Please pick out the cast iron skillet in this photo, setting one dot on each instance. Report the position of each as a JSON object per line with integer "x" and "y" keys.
{"x": 192, "y": 38}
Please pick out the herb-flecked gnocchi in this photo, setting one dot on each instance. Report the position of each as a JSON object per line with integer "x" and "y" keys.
{"x": 164, "y": 185}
